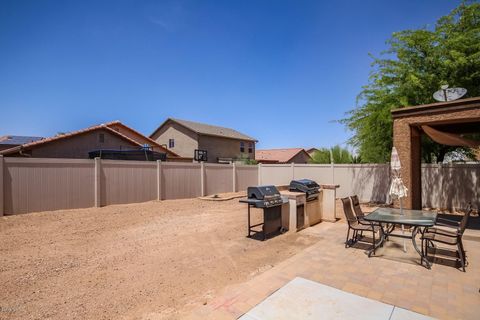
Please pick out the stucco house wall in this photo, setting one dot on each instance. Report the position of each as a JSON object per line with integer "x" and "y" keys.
{"x": 218, "y": 147}
{"x": 185, "y": 140}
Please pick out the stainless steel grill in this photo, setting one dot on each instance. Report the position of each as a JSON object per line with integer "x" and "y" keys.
{"x": 309, "y": 187}
{"x": 269, "y": 199}
{"x": 264, "y": 196}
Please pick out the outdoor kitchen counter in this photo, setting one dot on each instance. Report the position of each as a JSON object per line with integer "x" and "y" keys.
{"x": 291, "y": 194}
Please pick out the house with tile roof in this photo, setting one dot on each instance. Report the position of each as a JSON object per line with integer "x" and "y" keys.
{"x": 204, "y": 142}
{"x": 288, "y": 155}
{"x": 77, "y": 144}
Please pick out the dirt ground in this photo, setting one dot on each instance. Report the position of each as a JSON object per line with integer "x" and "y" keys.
{"x": 152, "y": 260}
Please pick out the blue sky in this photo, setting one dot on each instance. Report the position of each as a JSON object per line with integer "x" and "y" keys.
{"x": 280, "y": 71}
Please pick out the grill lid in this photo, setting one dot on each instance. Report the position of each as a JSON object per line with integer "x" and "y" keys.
{"x": 262, "y": 192}
{"x": 304, "y": 183}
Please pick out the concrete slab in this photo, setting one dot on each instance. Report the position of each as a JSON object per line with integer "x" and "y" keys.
{"x": 306, "y": 299}
{"x": 404, "y": 314}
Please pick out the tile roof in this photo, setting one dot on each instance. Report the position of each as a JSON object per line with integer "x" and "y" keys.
{"x": 17, "y": 140}
{"x": 207, "y": 129}
{"x": 104, "y": 126}
{"x": 277, "y": 155}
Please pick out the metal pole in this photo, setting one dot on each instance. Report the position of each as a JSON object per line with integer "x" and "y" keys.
{"x": 403, "y": 228}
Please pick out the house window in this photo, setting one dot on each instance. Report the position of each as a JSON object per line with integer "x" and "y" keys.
{"x": 242, "y": 146}
{"x": 250, "y": 147}
{"x": 171, "y": 143}
{"x": 101, "y": 138}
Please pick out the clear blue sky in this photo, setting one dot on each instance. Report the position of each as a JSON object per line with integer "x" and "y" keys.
{"x": 280, "y": 71}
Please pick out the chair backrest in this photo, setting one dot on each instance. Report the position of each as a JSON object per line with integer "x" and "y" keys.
{"x": 464, "y": 222}
{"x": 356, "y": 207}
{"x": 347, "y": 208}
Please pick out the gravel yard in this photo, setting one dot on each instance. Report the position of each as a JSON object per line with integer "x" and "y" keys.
{"x": 154, "y": 260}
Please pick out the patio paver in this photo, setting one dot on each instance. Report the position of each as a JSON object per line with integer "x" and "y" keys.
{"x": 392, "y": 277}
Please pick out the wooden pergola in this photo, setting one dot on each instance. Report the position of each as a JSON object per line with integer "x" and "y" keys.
{"x": 453, "y": 117}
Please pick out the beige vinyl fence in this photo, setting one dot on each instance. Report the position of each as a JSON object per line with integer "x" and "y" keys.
{"x": 450, "y": 186}
{"x": 34, "y": 184}
{"x": 369, "y": 181}
{"x": 443, "y": 186}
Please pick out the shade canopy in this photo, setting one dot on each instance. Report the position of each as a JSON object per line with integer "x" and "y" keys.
{"x": 449, "y": 139}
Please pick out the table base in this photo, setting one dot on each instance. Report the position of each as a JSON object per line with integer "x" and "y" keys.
{"x": 387, "y": 231}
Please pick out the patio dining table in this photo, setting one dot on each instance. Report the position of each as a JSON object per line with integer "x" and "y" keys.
{"x": 418, "y": 220}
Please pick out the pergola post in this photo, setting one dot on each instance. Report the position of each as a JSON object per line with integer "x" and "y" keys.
{"x": 415, "y": 193}
{"x": 407, "y": 141}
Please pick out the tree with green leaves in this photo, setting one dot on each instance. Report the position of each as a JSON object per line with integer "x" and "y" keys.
{"x": 336, "y": 153}
{"x": 416, "y": 64}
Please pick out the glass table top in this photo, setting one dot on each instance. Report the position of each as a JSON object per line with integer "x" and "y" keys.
{"x": 405, "y": 216}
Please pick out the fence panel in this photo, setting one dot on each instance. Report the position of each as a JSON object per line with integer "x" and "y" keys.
{"x": 180, "y": 180}
{"x": 370, "y": 182}
{"x": 246, "y": 176}
{"x": 450, "y": 186}
{"x": 276, "y": 174}
{"x": 321, "y": 173}
{"x": 47, "y": 184}
{"x": 218, "y": 178}
{"x": 127, "y": 181}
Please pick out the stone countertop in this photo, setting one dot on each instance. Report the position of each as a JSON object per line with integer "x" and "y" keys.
{"x": 329, "y": 186}
{"x": 292, "y": 194}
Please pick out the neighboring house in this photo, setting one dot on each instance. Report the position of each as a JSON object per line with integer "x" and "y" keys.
{"x": 7, "y": 142}
{"x": 311, "y": 151}
{"x": 77, "y": 144}
{"x": 188, "y": 138}
{"x": 291, "y": 155}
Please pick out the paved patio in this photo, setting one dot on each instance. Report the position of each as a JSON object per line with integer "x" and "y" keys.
{"x": 392, "y": 277}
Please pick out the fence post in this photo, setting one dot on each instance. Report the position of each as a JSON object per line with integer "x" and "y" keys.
{"x": 234, "y": 177}
{"x": 2, "y": 207}
{"x": 98, "y": 169}
{"x": 159, "y": 180}
{"x": 202, "y": 179}
{"x": 332, "y": 165}
{"x": 259, "y": 174}
{"x": 293, "y": 170}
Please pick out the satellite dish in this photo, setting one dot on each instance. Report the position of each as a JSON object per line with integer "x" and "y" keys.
{"x": 449, "y": 94}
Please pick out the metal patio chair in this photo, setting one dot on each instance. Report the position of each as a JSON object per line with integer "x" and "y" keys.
{"x": 448, "y": 232}
{"x": 356, "y": 207}
{"x": 356, "y": 226}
